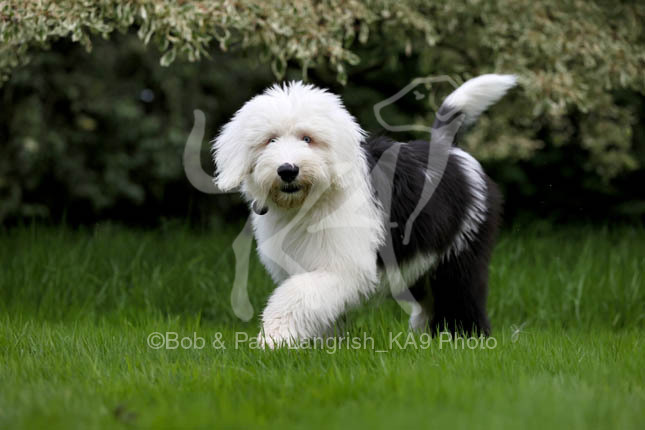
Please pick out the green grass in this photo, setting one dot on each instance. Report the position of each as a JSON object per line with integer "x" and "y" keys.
{"x": 567, "y": 306}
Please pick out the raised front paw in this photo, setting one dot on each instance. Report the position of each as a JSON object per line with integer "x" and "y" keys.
{"x": 280, "y": 331}
{"x": 274, "y": 342}
{"x": 302, "y": 308}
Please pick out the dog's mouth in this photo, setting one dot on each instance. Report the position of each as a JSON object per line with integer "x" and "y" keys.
{"x": 290, "y": 188}
{"x": 289, "y": 195}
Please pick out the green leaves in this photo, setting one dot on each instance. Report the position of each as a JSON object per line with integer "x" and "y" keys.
{"x": 306, "y": 32}
{"x": 580, "y": 62}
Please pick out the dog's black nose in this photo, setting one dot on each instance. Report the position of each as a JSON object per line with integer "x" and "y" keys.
{"x": 288, "y": 172}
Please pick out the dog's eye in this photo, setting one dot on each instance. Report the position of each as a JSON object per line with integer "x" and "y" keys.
{"x": 307, "y": 139}
{"x": 272, "y": 140}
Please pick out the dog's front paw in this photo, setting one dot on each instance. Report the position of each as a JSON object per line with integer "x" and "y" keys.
{"x": 275, "y": 335}
{"x": 302, "y": 308}
{"x": 285, "y": 327}
{"x": 271, "y": 342}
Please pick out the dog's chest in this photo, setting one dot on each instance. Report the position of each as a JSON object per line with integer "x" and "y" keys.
{"x": 288, "y": 248}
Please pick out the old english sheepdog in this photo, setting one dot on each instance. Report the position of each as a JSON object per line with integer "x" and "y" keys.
{"x": 336, "y": 214}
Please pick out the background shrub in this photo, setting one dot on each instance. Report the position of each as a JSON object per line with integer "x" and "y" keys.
{"x": 98, "y": 96}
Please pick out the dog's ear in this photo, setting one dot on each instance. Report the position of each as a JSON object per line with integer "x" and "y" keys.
{"x": 231, "y": 155}
{"x": 347, "y": 149}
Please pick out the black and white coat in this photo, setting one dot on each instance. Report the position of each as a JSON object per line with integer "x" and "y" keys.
{"x": 358, "y": 214}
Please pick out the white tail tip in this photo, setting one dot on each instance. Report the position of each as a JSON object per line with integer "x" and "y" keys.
{"x": 477, "y": 94}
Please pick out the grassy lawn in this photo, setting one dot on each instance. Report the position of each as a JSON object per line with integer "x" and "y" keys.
{"x": 76, "y": 308}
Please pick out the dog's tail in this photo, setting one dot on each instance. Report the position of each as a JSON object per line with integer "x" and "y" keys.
{"x": 473, "y": 98}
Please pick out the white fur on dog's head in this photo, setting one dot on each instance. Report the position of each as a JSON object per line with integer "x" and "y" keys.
{"x": 246, "y": 155}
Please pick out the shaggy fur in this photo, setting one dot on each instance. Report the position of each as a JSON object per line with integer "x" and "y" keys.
{"x": 335, "y": 214}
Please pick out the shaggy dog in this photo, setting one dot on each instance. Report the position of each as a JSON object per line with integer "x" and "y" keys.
{"x": 336, "y": 214}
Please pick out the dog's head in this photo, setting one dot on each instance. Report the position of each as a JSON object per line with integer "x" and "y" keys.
{"x": 286, "y": 142}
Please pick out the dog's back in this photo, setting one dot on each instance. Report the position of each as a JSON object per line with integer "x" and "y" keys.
{"x": 441, "y": 213}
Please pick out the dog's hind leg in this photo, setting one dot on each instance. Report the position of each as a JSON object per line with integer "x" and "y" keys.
{"x": 459, "y": 283}
{"x": 421, "y": 309}
{"x": 459, "y": 288}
